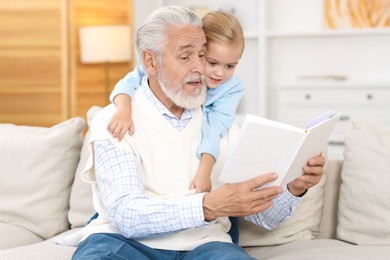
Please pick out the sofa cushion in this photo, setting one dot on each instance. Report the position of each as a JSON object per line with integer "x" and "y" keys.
{"x": 81, "y": 206}
{"x": 37, "y": 166}
{"x": 320, "y": 249}
{"x": 45, "y": 250}
{"x": 302, "y": 225}
{"x": 13, "y": 236}
{"x": 364, "y": 209}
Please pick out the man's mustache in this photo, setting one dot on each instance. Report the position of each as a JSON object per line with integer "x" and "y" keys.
{"x": 194, "y": 78}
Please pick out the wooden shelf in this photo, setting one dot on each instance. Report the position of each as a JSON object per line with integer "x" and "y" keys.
{"x": 335, "y": 84}
{"x": 328, "y": 33}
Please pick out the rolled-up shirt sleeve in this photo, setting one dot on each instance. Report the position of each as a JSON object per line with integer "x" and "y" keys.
{"x": 284, "y": 206}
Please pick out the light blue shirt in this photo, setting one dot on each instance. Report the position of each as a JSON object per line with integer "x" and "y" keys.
{"x": 219, "y": 108}
{"x": 117, "y": 174}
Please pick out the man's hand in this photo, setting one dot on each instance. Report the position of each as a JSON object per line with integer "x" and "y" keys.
{"x": 240, "y": 199}
{"x": 312, "y": 174}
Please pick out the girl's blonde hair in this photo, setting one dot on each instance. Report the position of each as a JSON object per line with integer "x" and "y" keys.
{"x": 223, "y": 27}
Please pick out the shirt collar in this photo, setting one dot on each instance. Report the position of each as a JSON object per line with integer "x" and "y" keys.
{"x": 163, "y": 110}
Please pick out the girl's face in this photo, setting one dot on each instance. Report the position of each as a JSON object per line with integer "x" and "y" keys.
{"x": 221, "y": 61}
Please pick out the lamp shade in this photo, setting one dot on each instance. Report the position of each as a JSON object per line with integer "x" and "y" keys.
{"x": 107, "y": 43}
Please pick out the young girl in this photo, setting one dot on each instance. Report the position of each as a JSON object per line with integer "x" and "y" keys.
{"x": 225, "y": 45}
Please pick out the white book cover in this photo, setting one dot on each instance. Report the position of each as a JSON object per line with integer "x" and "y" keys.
{"x": 264, "y": 146}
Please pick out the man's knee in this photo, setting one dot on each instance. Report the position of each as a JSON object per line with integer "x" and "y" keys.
{"x": 219, "y": 250}
{"x": 100, "y": 246}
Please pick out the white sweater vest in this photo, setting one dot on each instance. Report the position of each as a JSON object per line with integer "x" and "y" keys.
{"x": 168, "y": 163}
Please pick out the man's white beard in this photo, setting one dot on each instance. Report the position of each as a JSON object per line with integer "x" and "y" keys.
{"x": 177, "y": 94}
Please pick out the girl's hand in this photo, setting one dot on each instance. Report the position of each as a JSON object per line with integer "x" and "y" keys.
{"x": 201, "y": 182}
{"x": 120, "y": 124}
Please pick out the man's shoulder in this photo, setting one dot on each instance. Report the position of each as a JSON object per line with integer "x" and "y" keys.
{"x": 101, "y": 118}
{"x": 105, "y": 113}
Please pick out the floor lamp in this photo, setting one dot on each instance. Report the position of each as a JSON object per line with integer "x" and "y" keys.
{"x": 105, "y": 44}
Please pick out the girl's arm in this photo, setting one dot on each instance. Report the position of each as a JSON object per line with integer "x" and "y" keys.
{"x": 121, "y": 96}
{"x": 128, "y": 84}
{"x": 121, "y": 122}
{"x": 219, "y": 117}
{"x": 202, "y": 180}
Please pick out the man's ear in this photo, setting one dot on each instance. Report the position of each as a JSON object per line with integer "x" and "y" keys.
{"x": 150, "y": 62}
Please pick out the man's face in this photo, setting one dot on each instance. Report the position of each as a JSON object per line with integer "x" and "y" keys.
{"x": 181, "y": 72}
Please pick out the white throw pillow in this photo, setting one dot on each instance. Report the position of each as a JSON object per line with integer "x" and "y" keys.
{"x": 37, "y": 166}
{"x": 364, "y": 208}
{"x": 81, "y": 205}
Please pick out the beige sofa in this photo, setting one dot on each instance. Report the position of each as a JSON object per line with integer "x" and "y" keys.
{"x": 346, "y": 216}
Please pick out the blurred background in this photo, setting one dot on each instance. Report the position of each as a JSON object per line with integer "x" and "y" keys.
{"x": 302, "y": 57}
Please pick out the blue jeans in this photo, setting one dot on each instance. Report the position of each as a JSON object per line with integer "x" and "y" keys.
{"x": 233, "y": 232}
{"x": 116, "y": 247}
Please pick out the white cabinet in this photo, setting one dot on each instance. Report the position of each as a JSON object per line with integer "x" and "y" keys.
{"x": 297, "y": 47}
{"x": 298, "y": 104}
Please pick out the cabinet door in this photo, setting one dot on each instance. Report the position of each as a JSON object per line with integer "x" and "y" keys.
{"x": 298, "y": 106}
{"x": 371, "y": 105}
{"x": 33, "y": 62}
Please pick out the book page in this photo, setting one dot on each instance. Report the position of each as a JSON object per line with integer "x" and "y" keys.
{"x": 261, "y": 120}
{"x": 319, "y": 119}
{"x": 265, "y": 146}
{"x": 315, "y": 142}
{"x": 262, "y": 147}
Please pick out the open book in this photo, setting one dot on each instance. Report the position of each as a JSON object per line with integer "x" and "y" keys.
{"x": 264, "y": 146}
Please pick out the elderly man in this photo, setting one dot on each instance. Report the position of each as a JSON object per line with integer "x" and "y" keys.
{"x": 141, "y": 185}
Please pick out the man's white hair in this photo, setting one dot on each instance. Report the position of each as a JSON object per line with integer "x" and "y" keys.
{"x": 152, "y": 35}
